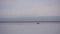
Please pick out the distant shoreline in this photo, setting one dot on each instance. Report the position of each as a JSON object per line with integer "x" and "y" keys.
{"x": 25, "y": 21}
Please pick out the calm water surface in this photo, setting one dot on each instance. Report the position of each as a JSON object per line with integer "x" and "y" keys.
{"x": 30, "y": 28}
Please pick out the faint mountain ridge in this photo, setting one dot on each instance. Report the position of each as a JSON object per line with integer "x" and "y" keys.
{"x": 33, "y": 18}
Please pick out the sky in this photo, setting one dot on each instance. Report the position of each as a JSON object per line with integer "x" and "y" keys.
{"x": 18, "y": 8}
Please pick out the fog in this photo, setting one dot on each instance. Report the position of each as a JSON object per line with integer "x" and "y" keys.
{"x": 30, "y": 10}
{"x": 18, "y": 8}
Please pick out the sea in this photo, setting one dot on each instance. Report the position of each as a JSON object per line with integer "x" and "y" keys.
{"x": 30, "y": 28}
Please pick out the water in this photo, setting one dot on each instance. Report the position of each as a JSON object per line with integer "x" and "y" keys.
{"x": 30, "y": 28}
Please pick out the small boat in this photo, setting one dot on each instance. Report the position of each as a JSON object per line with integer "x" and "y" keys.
{"x": 38, "y": 23}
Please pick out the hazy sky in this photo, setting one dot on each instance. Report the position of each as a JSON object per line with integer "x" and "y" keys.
{"x": 17, "y": 8}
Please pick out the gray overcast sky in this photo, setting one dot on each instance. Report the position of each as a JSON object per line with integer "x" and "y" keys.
{"x": 17, "y": 8}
